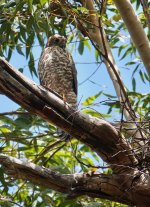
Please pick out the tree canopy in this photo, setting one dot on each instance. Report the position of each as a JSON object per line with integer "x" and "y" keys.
{"x": 106, "y": 163}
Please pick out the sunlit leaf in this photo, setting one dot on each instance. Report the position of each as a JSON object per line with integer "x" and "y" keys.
{"x": 43, "y": 2}
{"x": 91, "y": 99}
{"x": 116, "y": 18}
{"x": 95, "y": 113}
{"x": 30, "y": 5}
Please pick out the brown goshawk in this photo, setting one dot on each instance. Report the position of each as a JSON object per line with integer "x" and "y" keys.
{"x": 57, "y": 70}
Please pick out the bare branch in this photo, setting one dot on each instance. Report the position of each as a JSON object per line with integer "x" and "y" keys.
{"x": 134, "y": 27}
{"x": 112, "y": 187}
{"x": 99, "y": 40}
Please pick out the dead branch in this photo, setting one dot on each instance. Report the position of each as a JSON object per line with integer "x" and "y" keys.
{"x": 110, "y": 187}
{"x": 101, "y": 136}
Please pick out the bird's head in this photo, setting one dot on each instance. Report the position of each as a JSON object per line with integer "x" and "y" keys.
{"x": 57, "y": 40}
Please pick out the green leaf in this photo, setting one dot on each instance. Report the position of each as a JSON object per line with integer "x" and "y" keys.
{"x": 9, "y": 53}
{"x": 136, "y": 68}
{"x": 95, "y": 113}
{"x": 19, "y": 49}
{"x": 31, "y": 65}
{"x": 23, "y": 30}
{"x": 87, "y": 44}
{"x": 43, "y": 2}
{"x": 3, "y": 179}
{"x": 138, "y": 3}
{"x": 29, "y": 43}
{"x": 91, "y": 99}
{"x": 114, "y": 104}
{"x": 147, "y": 77}
{"x": 81, "y": 47}
{"x": 82, "y": 9}
{"x": 4, "y": 130}
{"x": 130, "y": 63}
{"x": 30, "y": 5}
{"x": 116, "y": 17}
{"x": 6, "y": 119}
{"x": 135, "y": 94}
{"x": 29, "y": 24}
{"x": 96, "y": 55}
{"x": 40, "y": 39}
{"x": 19, "y": 6}
{"x": 21, "y": 70}
{"x": 23, "y": 122}
{"x": 134, "y": 84}
{"x": 110, "y": 96}
{"x": 128, "y": 51}
{"x": 142, "y": 76}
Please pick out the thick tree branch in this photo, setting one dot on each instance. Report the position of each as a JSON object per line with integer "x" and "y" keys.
{"x": 134, "y": 27}
{"x": 112, "y": 187}
{"x": 96, "y": 133}
{"x": 124, "y": 188}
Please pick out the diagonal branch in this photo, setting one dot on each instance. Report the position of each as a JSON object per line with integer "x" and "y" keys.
{"x": 124, "y": 188}
{"x": 101, "y": 136}
{"x": 100, "y": 42}
{"x": 74, "y": 185}
{"x": 134, "y": 27}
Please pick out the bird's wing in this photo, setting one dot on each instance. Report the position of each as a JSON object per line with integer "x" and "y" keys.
{"x": 75, "y": 82}
{"x": 74, "y": 74}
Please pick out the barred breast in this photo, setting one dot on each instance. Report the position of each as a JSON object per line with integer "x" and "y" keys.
{"x": 57, "y": 72}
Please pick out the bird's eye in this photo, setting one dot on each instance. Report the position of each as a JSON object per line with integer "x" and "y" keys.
{"x": 57, "y": 40}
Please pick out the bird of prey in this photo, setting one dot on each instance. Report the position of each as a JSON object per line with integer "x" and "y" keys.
{"x": 57, "y": 70}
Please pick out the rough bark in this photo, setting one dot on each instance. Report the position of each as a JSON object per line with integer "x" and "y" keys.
{"x": 127, "y": 184}
{"x": 114, "y": 187}
{"x": 101, "y": 136}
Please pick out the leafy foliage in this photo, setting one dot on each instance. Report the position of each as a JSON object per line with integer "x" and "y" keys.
{"x": 25, "y": 24}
